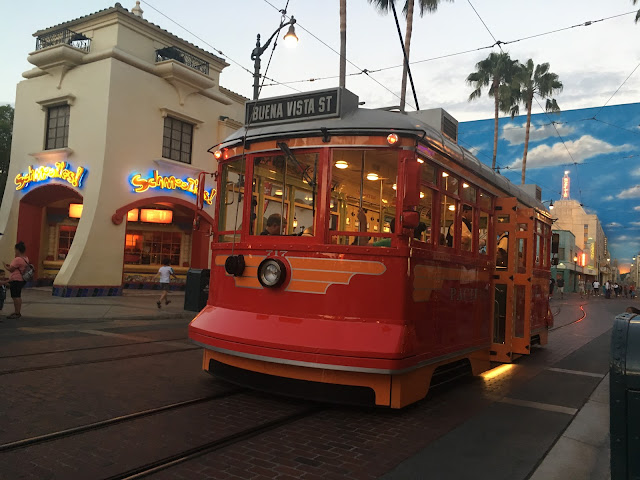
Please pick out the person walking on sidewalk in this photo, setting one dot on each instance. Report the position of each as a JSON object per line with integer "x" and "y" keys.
{"x": 17, "y": 267}
{"x": 165, "y": 272}
{"x": 560, "y": 284}
{"x": 596, "y": 288}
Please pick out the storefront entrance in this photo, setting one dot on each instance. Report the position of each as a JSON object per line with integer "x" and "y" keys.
{"x": 47, "y": 229}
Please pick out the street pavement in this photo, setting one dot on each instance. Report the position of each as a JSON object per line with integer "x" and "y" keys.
{"x": 560, "y": 402}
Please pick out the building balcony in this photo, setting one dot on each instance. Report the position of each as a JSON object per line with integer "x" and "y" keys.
{"x": 174, "y": 53}
{"x": 63, "y": 36}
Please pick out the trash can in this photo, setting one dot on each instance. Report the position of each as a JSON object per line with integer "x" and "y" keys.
{"x": 624, "y": 396}
{"x": 197, "y": 289}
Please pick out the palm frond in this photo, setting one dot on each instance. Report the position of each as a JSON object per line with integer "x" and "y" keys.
{"x": 475, "y": 94}
{"x": 552, "y": 105}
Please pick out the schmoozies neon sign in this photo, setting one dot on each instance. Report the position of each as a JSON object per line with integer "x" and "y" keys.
{"x": 61, "y": 170}
{"x": 141, "y": 184}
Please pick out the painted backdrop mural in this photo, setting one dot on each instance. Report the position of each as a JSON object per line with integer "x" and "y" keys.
{"x": 599, "y": 147}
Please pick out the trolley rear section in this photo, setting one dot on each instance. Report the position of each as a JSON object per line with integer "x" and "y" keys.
{"x": 358, "y": 252}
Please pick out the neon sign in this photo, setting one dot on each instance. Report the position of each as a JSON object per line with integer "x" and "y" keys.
{"x": 61, "y": 170}
{"x": 141, "y": 184}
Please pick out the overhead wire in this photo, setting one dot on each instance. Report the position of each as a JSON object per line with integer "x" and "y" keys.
{"x": 464, "y": 52}
{"x": 362, "y": 70}
{"x": 485, "y": 26}
{"x": 614, "y": 93}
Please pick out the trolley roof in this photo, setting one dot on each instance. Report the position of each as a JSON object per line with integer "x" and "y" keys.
{"x": 299, "y": 116}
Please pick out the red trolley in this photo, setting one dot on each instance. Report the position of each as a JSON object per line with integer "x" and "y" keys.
{"x": 359, "y": 252}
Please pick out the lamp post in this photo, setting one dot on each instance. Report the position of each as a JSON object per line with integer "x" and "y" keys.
{"x": 575, "y": 273}
{"x": 290, "y": 38}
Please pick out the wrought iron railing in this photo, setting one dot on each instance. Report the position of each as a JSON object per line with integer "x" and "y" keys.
{"x": 63, "y": 36}
{"x": 174, "y": 53}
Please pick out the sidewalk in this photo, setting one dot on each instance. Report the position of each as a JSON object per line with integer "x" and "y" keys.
{"x": 582, "y": 452}
{"x": 132, "y": 305}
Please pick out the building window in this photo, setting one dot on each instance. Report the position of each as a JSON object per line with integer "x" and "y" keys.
{"x": 151, "y": 248}
{"x": 65, "y": 239}
{"x": 177, "y": 139}
{"x": 57, "y": 127}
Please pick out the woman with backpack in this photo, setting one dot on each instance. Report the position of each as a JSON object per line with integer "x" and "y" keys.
{"x": 18, "y": 267}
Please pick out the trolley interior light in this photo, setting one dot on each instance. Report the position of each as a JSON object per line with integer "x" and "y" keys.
{"x": 445, "y": 174}
{"x": 452, "y": 208}
{"x": 395, "y": 186}
{"x": 278, "y": 193}
{"x": 420, "y": 160}
{"x": 465, "y": 185}
{"x": 392, "y": 139}
{"x": 341, "y": 164}
{"x": 421, "y": 194}
{"x": 372, "y": 176}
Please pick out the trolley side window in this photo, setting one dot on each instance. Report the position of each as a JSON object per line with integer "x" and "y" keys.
{"x": 363, "y": 197}
{"x": 231, "y": 201}
{"x": 448, "y": 207}
{"x": 285, "y": 195}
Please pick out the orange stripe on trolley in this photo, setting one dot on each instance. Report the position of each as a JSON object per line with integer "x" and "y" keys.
{"x": 308, "y": 287}
{"x": 247, "y": 282}
{"x": 331, "y": 277}
{"x": 351, "y": 266}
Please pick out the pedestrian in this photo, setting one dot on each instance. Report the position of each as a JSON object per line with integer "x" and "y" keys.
{"x": 581, "y": 288}
{"x": 607, "y": 289}
{"x": 560, "y": 284}
{"x": 165, "y": 272}
{"x": 596, "y": 288}
{"x": 17, "y": 267}
{"x": 552, "y": 284}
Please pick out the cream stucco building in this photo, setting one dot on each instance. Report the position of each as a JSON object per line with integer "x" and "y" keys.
{"x": 111, "y": 131}
{"x": 589, "y": 236}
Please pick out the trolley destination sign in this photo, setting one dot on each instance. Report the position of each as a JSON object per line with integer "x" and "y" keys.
{"x": 293, "y": 108}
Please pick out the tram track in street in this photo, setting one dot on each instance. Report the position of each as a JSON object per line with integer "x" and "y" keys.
{"x": 101, "y": 347}
{"x": 215, "y": 445}
{"x": 584, "y": 315}
{"x": 100, "y": 360}
{"x": 48, "y": 437}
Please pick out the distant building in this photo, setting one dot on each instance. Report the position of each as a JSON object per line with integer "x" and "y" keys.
{"x": 111, "y": 130}
{"x": 587, "y": 229}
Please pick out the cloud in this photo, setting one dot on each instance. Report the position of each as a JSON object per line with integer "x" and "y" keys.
{"x": 637, "y": 209}
{"x": 613, "y": 225}
{"x": 608, "y": 198}
{"x": 636, "y": 172}
{"x": 514, "y": 134}
{"x": 581, "y": 149}
{"x": 635, "y": 224}
{"x": 633, "y": 192}
{"x": 622, "y": 238}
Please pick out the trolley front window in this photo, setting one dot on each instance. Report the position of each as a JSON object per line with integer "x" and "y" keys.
{"x": 285, "y": 194}
{"x": 364, "y": 195}
{"x": 231, "y": 201}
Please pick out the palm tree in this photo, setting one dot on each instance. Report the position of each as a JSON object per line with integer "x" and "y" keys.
{"x": 637, "y": 14}
{"x": 425, "y": 6}
{"x": 343, "y": 42}
{"x": 535, "y": 80}
{"x": 495, "y": 71}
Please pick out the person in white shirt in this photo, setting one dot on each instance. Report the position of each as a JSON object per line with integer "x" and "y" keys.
{"x": 165, "y": 272}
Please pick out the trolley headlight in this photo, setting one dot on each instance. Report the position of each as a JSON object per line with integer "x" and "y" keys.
{"x": 271, "y": 272}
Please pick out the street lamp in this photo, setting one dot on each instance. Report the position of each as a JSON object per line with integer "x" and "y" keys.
{"x": 575, "y": 273}
{"x": 290, "y": 39}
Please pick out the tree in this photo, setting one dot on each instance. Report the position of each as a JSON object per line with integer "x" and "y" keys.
{"x": 6, "y": 130}
{"x": 343, "y": 42}
{"x": 496, "y": 72}
{"x": 535, "y": 80}
{"x": 637, "y": 14}
{"x": 425, "y": 6}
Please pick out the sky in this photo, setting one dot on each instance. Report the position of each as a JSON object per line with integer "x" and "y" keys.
{"x": 597, "y": 63}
